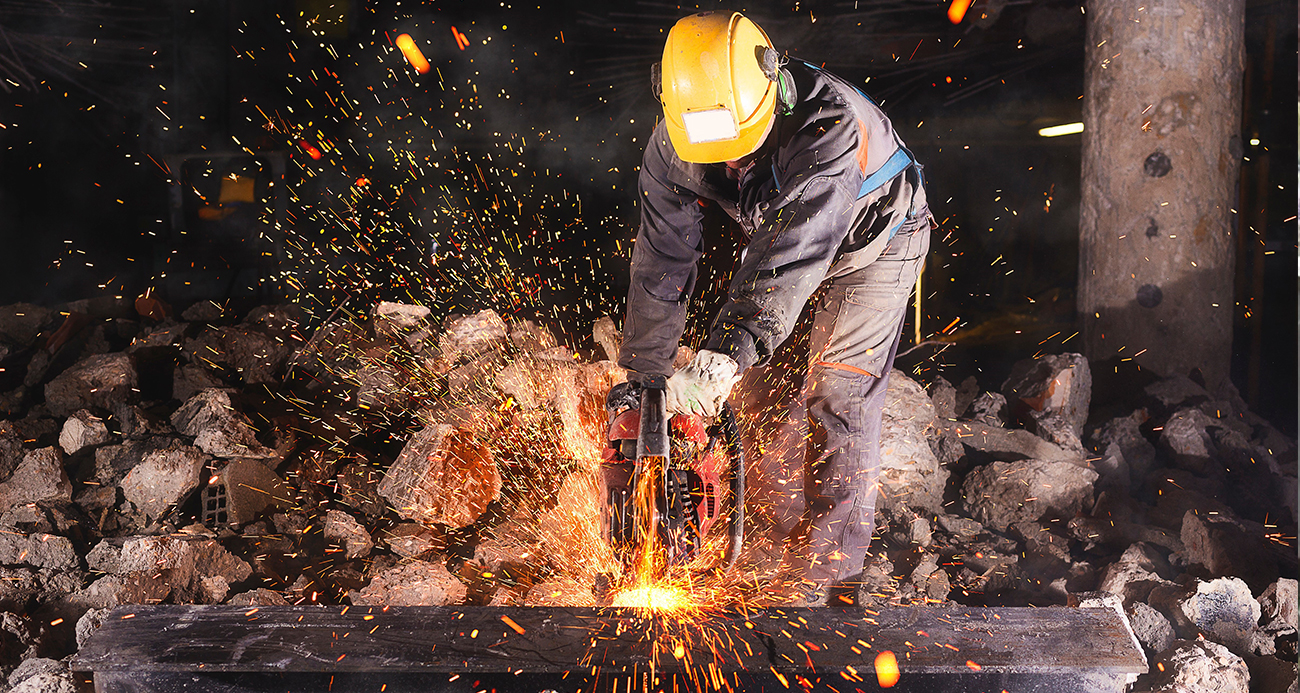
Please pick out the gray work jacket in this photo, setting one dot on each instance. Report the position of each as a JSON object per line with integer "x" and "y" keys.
{"x": 821, "y": 200}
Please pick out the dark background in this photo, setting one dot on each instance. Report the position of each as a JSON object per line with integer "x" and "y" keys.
{"x": 506, "y": 177}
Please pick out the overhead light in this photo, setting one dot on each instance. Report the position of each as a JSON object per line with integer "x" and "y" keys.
{"x": 1254, "y": 141}
{"x": 1058, "y": 130}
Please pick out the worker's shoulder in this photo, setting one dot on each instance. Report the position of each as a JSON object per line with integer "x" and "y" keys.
{"x": 818, "y": 89}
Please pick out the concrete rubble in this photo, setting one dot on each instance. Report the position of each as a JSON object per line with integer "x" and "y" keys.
{"x": 400, "y": 456}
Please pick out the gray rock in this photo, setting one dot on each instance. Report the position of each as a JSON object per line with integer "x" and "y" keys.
{"x": 1200, "y": 666}
{"x": 163, "y": 335}
{"x": 163, "y": 478}
{"x": 359, "y": 488}
{"x": 22, "y": 323}
{"x": 258, "y": 597}
{"x": 990, "y": 409}
{"x": 411, "y": 584}
{"x": 1151, "y": 627}
{"x": 1122, "y": 438}
{"x": 966, "y": 393}
{"x": 1278, "y": 605}
{"x": 1229, "y": 546}
{"x": 39, "y": 477}
{"x": 102, "y": 381}
{"x": 88, "y": 624}
{"x": 279, "y": 320}
{"x": 944, "y": 397}
{"x": 255, "y": 355}
{"x": 1010, "y": 445}
{"x": 1137, "y": 571}
{"x": 189, "y": 379}
{"x": 217, "y": 428}
{"x": 411, "y": 539}
{"x": 1226, "y": 612}
{"x": 341, "y": 528}
{"x": 442, "y": 476}
{"x": 19, "y": 640}
{"x": 1003, "y": 493}
{"x": 137, "y": 424}
{"x": 466, "y": 337}
{"x": 1173, "y": 393}
{"x": 38, "y": 551}
{"x": 607, "y": 336}
{"x": 909, "y": 472}
{"x": 187, "y": 562}
{"x": 1272, "y": 675}
{"x": 1052, "y": 393}
{"x": 11, "y": 449}
{"x": 960, "y": 527}
{"x": 204, "y": 311}
{"x": 83, "y": 430}
{"x": 1187, "y": 442}
{"x": 529, "y": 337}
{"x": 51, "y": 671}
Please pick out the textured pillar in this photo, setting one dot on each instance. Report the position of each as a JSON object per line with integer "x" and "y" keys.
{"x": 1161, "y": 153}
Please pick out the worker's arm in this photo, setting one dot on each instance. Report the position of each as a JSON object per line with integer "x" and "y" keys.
{"x": 801, "y": 231}
{"x": 664, "y": 265}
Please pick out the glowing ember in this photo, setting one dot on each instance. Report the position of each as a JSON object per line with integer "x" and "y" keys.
{"x": 886, "y": 669}
{"x": 412, "y": 52}
{"x": 957, "y": 10}
{"x": 655, "y": 598}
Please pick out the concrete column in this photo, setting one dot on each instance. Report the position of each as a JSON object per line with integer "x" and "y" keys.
{"x": 1161, "y": 153}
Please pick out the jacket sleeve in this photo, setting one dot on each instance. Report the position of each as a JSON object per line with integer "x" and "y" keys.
{"x": 794, "y": 245}
{"x": 664, "y": 265}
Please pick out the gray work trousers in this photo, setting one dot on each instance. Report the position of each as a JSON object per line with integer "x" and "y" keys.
{"x": 855, "y": 335}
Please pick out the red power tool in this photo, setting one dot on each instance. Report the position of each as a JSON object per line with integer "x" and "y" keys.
{"x": 669, "y": 481}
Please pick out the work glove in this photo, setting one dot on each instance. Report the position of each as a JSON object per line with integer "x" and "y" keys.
{"x": 702, "y": 385}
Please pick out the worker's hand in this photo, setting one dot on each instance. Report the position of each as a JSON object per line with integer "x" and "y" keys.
{"x": 703, "y": 385}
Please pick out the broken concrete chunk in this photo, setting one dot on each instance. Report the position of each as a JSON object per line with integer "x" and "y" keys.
{"x": 1199, "y": 665}
{"x": 401, "y": 323}
{"x": 1151, "y": 627}
{"x": 217, "y": 428}
{"x": 1009, "y": 444}
{"x": 258, "y": 597}
{"x": 1121, "y": 437}
{"x": 1228, "y": 546}
{"x": 443, "y": 476}
{"x": 1052, "y": 393}
{"x": 38, "y": 550}
{"x": 412, "y": 539}
{"x": 189, "y": 379}
{"x": 560, "y": 591}
{"x": 412, "y": 584}
{"x": 1188, "y": 443}
{"x": 21, "y": 323}
{"x": 11, "y": 449}
{"x": 468, "y": 336}
{"x": 187, "y": 561}
{"x": 1003, "y": 493}
{"x": 359, "y": 488}
{"x": 909, "y": 471}
{"x": 88, "y": 624}
{"x": 137, "y": 423}
{"x": 341, "y": 528}
{"x": 529, "y": 337}
{"x": 1173, "y": 393}
{"x": 83, "y": 430}
{"x": 244, "y": 490}
{"x": 255, "y": 356}
{"x": 280, "y": 320}
{"x": 1137, "y": 571}
{"x": 944, "y": 397}
{"x": 1227, "y": 613}
{"x": 203, "y": 311}
{"x": 962, "y": 528}
{"x": 1278, "y": 605}
{"x": 102, "y": 381}
{"x": 989, "y": 408}
{"x": 163, "y": 478}
{"x": 39, "y": 477}
{"x": 607, "y": 337}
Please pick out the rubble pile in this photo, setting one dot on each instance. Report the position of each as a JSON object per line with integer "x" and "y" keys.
{"x": 381, "y": 458}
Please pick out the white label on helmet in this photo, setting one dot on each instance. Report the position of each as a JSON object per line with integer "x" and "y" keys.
{"x": 713, "y": 125}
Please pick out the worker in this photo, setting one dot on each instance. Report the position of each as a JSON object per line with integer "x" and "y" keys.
{"x": 827, "y": 195}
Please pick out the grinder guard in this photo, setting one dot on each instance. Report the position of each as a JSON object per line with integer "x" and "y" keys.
{"x": 687, "y": 461}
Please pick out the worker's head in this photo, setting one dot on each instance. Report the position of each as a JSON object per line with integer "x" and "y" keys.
{"x": 718, "y": 85}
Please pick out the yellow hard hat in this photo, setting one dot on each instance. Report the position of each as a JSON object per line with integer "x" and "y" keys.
{"x": 718, "y": 101}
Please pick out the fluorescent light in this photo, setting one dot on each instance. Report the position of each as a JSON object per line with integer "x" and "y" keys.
{"x": 1058, "y": 130}
{"x": 713, "y": 125}
{"x": 1254, "y": 141}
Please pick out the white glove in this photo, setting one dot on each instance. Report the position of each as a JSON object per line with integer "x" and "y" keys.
{"x": 703, "y": 385}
